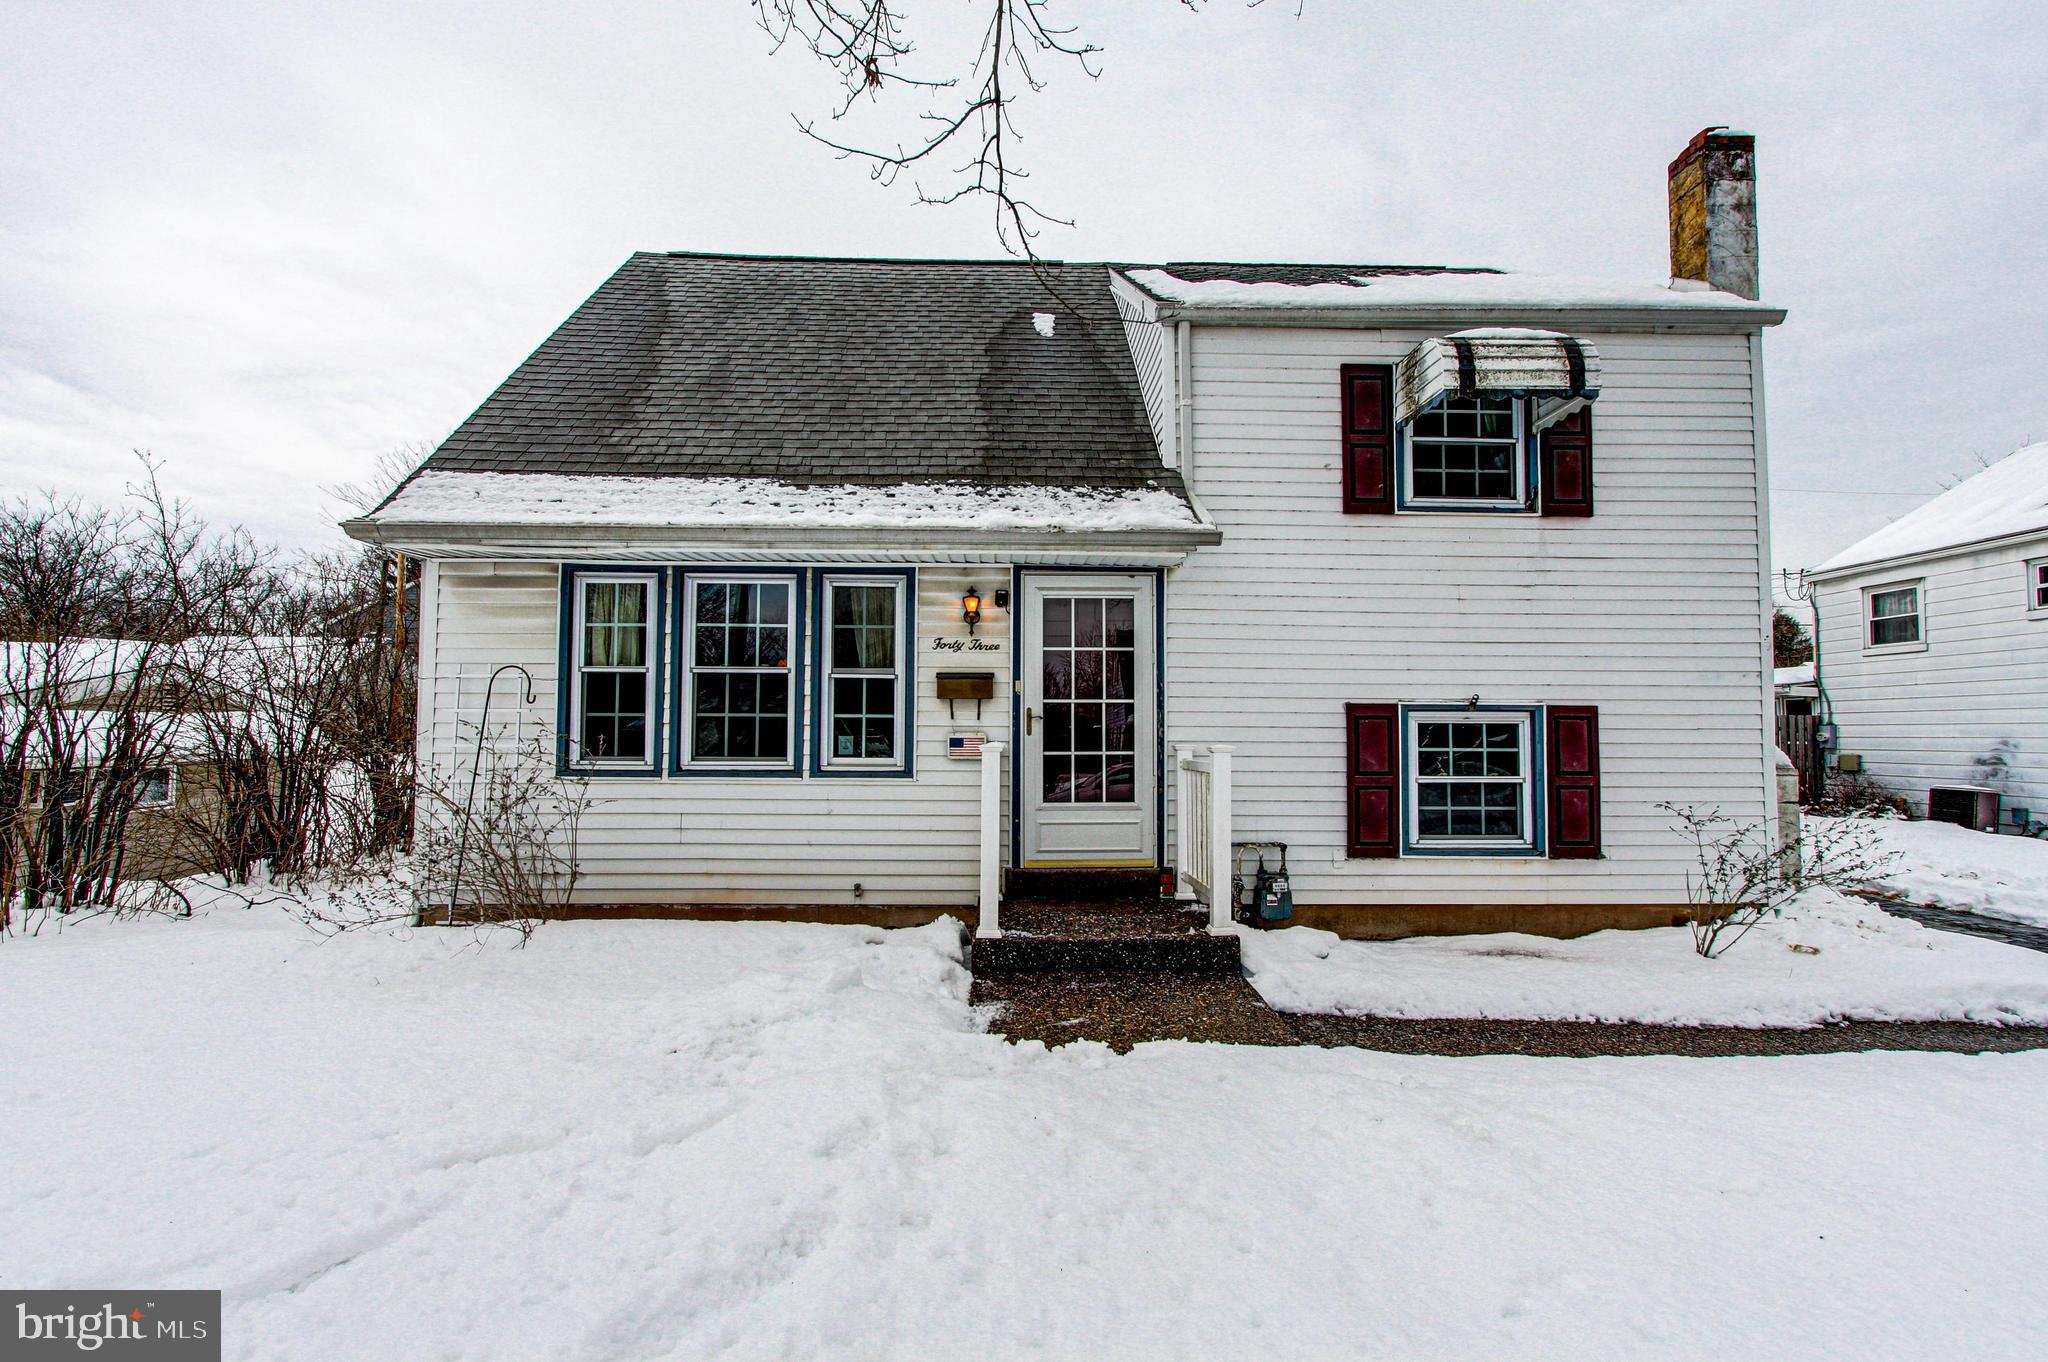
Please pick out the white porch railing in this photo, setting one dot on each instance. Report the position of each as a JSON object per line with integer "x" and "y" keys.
{"x": 991, "y": 898}
{"x": 1202, "y": 853}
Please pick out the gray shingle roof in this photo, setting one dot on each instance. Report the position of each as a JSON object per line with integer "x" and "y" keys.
{"x": 826, "y": 371}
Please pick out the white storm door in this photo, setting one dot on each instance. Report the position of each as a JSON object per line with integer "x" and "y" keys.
{"x": 1088, "y": 775}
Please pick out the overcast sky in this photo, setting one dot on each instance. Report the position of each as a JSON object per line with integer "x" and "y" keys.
{"x": 270, "y": 242}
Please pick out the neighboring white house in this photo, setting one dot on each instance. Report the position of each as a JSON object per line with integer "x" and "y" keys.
{"x": 1933, "y": 640}
{"x": 1461, "y": 573}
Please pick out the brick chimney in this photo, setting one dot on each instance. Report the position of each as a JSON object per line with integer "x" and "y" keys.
{"x": 1713, "y": 211}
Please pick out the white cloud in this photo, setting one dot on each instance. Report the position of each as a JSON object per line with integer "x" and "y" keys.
{"x": 271, "y": 242}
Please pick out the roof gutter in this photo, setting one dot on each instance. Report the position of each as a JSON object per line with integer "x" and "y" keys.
{"x": 417, "y": 535}
{"x": 1465, "y": 315}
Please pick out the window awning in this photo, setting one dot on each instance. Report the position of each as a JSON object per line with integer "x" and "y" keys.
{"x": 1498, "y": 361}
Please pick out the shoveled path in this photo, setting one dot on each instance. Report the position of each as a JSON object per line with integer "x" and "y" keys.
{"x": 1969, "y": 924}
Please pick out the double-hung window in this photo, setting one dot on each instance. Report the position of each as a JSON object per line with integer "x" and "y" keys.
{"x": 613, "y": 662}
{"x": 1893, "y": 617}
{"x": 2037, "y": 586}
{"x": 1471, "y": 780}
{"x": 1467, "y": 453}
{"x": 739, "y": 651}
{"x": 864, "y": 688}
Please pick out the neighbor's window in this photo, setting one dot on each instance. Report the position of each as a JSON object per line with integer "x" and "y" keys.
{"x": 1468, "y": 451}
{"x": 612, "y": 703}
{"x": 153, "y": 790}
{"x": 1894, "y": 614}
{"x": 740, "y": 710}
{"x": 2037, "y": 585}
{"x": 865, "y": 695}
{"x": 1470, "y": 781}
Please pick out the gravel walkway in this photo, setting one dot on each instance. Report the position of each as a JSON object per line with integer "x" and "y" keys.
{"x": 1123, "y": 1010}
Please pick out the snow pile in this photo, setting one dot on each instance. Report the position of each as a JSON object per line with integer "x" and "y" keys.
{"x": 693, "y": 1140}
{"x": 570, "y": 499}
{"x": 1866, "y": 965}
{"x": 2010, "y": 497}
{"x": 1440, "y": 290}
{"x": 1971, "y": 872}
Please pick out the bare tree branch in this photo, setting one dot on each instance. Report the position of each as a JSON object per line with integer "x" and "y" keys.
{"x": 864, "y": 43}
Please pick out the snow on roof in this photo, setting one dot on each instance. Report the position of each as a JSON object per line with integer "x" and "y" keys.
{"x": 708, "y": 503}
{"x": 2010, "y": 497}
{"x": 1444, "y": 290}
{"x": 1801, "y": 675}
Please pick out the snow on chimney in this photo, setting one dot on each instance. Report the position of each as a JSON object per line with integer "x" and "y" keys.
{"x": 1713, "y": 211}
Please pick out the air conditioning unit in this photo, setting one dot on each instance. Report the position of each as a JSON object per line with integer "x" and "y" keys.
{"x": 1967, "y": 806}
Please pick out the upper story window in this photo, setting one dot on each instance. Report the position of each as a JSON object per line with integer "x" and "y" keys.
{"x": 2037, "y": 585}
{"x": 739, "y": 706}
{"x": 1467, "y": 452}
{"x": 865, "y": 690}
{"x": 613, "y": 668}
{"x": 1893, "y": 617}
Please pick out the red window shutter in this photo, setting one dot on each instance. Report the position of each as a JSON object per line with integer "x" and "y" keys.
{"x": 1566, "y": 461}
{"x": 1372, "y": 777}
{"x": 1368, "y": 438}
{"x": 1573, "y": 748}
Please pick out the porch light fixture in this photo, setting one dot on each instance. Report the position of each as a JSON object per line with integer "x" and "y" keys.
{"x": 970, "y": 608}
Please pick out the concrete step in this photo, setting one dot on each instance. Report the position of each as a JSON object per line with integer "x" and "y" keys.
{"x": 1081, "y": 885}
{"x": 1104, "y": 937}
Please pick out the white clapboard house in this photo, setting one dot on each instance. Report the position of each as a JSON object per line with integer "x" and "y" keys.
{"x": 1933, "y": 658}
{"x": 853, "y": 585}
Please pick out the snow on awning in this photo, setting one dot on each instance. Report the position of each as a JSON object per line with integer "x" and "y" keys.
{"x": 1502, "y": 361}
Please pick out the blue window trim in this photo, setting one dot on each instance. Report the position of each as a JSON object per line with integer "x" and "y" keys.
{"x": 565, "y": 625}
{"x": 799, "y": 620}
{"x": 1531, "y": 464}
{"x": 1018, "y": 572}
{"x": 821, "y": 629}
{"x": 1539, "y": 789}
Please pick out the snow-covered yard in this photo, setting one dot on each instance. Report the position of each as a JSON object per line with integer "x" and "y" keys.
{"x": 1829, "y": 958}
{"x": 1971, "y": 872}
{"x": 684, "y": 1140}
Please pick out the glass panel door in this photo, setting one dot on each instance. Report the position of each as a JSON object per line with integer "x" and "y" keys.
{"x": 1089, "y": 679}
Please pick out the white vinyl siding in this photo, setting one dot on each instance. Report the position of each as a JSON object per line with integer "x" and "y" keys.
{"x": 716, "y": 838}
{"x": 1965, "y": 707}
{"x": 1652, "y": 609}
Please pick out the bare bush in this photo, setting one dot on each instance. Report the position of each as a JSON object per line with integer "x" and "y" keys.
{"x": 1857, "y": 793}
{"x": 1745, "y": 874}
{"x": 504, "y": 851}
